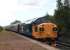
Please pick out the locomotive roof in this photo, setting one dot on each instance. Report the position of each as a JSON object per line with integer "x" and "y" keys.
{"x": 30, "y": 20}
{"x": 40, "y": 20}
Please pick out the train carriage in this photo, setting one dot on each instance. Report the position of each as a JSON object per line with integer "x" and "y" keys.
{"x": 25, "y": 29}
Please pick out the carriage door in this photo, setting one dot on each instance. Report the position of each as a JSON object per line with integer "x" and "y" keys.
{"x": 22, "y": 28}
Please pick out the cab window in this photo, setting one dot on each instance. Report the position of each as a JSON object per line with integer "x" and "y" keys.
{"x": 41, "y": 29}
{"x": 36, "y": 29}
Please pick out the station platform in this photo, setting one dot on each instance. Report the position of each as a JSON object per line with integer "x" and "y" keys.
{"x": 14, "y": 41}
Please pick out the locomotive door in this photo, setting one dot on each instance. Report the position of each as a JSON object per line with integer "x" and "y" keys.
{"x": 22, "y": 28}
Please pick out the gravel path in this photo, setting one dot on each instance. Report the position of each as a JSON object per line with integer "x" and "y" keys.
{"x": 10, "y": 41}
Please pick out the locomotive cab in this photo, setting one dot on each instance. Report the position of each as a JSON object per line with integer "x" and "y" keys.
{"x": 45, "y": 30}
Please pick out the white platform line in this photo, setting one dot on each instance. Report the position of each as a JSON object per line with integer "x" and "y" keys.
{"x": 38, "y": 43}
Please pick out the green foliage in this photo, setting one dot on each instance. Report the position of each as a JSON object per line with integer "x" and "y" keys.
{"x": 49, "y": 17}
{"x": 1, "y": 28}
{"x": 59, "y": 4}
{"x": 59, "y": 13}
{"x": 62, "y": 15}
{"x": 66, "y": 3}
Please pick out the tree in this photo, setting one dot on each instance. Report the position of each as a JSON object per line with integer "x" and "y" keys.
{"x": 62, "y": 15}
{"x": 49, "y": 18}
{"x": 66, "y": 3}
{"x": 67, "y": 13}
{"x": 59, "y": 4}
{"x": 1, "y": 28}
{"x": 59, "y": 14}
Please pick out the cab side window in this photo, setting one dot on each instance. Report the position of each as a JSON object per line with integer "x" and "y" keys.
{"x": 36, "y": 29}
{"x": 41, "y": 29}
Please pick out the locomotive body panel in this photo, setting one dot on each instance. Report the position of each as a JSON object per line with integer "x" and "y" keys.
{"x": 25, "y": 29}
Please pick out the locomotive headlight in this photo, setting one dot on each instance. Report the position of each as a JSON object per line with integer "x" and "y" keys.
{"x": 55, "y": 29}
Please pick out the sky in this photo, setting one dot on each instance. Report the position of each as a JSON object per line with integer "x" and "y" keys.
{"x": 23, "y": 10}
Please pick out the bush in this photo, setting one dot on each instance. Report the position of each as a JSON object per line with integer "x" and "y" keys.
{"x": 1, "y": 28}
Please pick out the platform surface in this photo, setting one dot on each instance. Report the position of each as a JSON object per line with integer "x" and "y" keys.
{"x": 11, "y": 41}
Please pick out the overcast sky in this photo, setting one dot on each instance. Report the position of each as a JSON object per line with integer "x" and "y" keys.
{"x": 11, "y": 10}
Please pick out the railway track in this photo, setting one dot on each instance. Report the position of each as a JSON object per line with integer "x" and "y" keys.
{"x": 61, "y": 45}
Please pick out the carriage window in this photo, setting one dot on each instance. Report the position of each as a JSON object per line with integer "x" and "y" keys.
{"x": 41, "y": 29}
{"x": 36, "y": 29}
